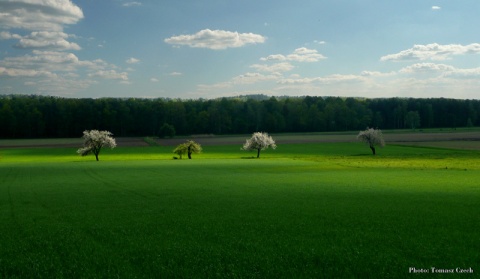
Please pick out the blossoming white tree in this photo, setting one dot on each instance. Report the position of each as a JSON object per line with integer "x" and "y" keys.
{"x": 94, "y": 140}
{"x": 259, "y": 141}
{"x": 372, "y": 137}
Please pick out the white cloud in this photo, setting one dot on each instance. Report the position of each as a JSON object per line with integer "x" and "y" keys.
{"x": 426, "y": 68}
{"x": 216, "y": 39}
{"x": 278, "y": 67}
{"x": 173, "y": 74}
{"x": 56, "y": 72}
{"x": 376, "y": 74}
{"x": 250, "y": 78}
{"x": 432, "y": 52}
{"x": 15, "y": 72}
{"x": 130, "y": 4}
{"x": 7, "y": 36}
{"x": 132, "y": 60}
{"x": 110, "y": 74}
{"x": 48, "y": 15}
{"x": 441, "y": 71}
{"x": 299, "y": 55}
{"x": 47, "y": 39}
{"x": 435, "y": 8}
{"x": 331, "y": 79}
{"x": 154, "y": 80}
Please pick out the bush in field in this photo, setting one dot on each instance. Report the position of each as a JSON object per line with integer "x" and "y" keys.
{"x": 372, "y": 137}
{"x": 188, "y": 148}
{"x": 167, "y": 130}
{"x": 94, "y": 140}
{"x": 259, "y": 141}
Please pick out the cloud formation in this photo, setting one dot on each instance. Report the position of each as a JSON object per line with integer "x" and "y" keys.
{"x": 299, "y": 55}
{"x": 48, "y": 40}
{"x": 4, "y": 35}
{"x": 131, "y": 4}
{"x": 432, "y": 52}
{"x": 331, "y": 79}
{"x": 49, "y": 66}
{"x": 132, "y": 60}
{"x": 39, "y": 14}
{"x": 216, "y": 39}
{"x": 278, "y": 67}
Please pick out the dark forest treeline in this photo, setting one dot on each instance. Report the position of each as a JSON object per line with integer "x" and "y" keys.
{"x": 45, "y": 117}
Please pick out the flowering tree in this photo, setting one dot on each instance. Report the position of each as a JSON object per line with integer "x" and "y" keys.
{"x": 259, "y": 141}
{"x": 372, "y": 137}
{"x": 94, "y": 140}
{"x": 188, "y": 147}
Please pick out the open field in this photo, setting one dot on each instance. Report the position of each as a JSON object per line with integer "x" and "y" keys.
{"x": 309, "y": 210}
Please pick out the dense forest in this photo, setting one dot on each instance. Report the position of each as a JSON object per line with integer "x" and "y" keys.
{"x": 49, "y": 117}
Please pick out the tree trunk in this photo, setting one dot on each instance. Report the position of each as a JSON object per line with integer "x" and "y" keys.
{"x": 373, "y": 149}
{"x": 258, "y": 153}
{"x": 189, "y": 153}
{"x": 96, "y": 156}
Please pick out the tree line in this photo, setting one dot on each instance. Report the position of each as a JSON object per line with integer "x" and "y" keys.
{"x": 50, "y": 117}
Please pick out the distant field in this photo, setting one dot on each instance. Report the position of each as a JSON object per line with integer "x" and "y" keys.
{"x": 465, "y": 138}
{"x": 305, "y": 210}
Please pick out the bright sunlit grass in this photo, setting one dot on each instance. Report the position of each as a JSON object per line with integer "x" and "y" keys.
{"x": 303, "y": 210}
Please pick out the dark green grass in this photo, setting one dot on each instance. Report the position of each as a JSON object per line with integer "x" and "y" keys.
{"x": 301, "y": 211}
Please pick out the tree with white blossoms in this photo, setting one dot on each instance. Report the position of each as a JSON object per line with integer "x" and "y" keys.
{"x": 372, "y": 137}
{"x": 94, "y": 140}
{"x": 259, "y": 141}
{"x": 188, "y": 147}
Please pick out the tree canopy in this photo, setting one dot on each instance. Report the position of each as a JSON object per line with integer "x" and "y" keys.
{"x": 259, "y": 141}
{"x": 54, "y": 117}
{"x": 188, "y": 148}
{"x": 94, "y": 140}
{"x": 372, "y": 137}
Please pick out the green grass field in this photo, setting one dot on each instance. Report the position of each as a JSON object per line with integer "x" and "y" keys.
{"x": 328, "y": 210}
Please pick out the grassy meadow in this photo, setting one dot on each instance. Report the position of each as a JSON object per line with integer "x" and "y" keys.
{"x": 310, "y": 210}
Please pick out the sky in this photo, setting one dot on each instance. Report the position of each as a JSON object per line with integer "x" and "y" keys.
{"x": 207, "y": 49}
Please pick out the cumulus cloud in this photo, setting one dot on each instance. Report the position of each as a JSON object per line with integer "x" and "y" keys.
{"x": 299, "y": 55}
{"x": 441, "y": 71}
{"x": 110, "y": 74}
{"x": 432, "y": 52}
{"x": 331, "y": 79}
{"x": 278, "y": 67}
{"x": 47, "y": 39}
{"x": 250, "y": 78}
{"x": 132, "y": 60}
{"x": 53, "y": 63}
{"x": 14, "y": 72}
{"x": 7, "y": 36}
{"x": 426, "y": 68}
{"x": 376, "y": 74}
{"x": 39, "y": 14}
{"x": 435, "y": 8}
{"x": 216, "y": 39}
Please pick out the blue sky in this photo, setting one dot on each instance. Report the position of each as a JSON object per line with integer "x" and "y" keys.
{"x": 194, "y": 49}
